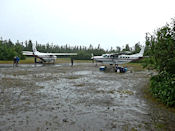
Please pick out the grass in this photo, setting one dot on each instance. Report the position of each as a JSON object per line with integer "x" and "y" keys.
{"x": 6, "y": 62}
{"x": 135, "y": 66}
{"x": 68, "y": 60}
{"x": 30, "y": 60}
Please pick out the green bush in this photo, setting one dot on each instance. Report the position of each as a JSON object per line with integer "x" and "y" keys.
{"x": 8, "y": 50}
{"x": 163, "y": 88}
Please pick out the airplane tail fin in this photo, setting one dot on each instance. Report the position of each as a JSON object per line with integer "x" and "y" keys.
{"x": 142, "y": 51}
{"x": 34, "y": 48}
{"x": 92, "y": 56}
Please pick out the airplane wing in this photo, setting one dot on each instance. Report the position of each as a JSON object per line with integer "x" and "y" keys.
{"x": 62, "y": 54}
{"x": 29, "y": 53}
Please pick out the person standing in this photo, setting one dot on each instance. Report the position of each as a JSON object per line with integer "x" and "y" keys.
{"x": 72, "y": 61}
{"x": 17, "y": 60}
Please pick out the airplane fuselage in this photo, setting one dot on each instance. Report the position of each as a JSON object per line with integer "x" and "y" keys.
{"x": 118, "y": 59}
{"x": 45, "y": 57}
{"x": 110, "y": 59}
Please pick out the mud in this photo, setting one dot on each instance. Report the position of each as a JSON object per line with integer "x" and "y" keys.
{"x": 61, "y": 97}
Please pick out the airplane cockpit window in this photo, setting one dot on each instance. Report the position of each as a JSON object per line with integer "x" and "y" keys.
{"x": 104, "y": 55}
{"x": 108, "y": 56}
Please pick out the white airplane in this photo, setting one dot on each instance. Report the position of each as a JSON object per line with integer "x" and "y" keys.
{"x": 118, "y": 58}
{"x": 45, "y": 57}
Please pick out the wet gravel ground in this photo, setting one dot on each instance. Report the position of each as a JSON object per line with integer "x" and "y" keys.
{"x": 65, "y": 98}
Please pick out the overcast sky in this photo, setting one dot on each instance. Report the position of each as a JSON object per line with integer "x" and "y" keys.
{"x": 83, "y": 22}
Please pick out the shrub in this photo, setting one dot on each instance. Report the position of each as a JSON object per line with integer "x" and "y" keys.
{"x": 163, "y": 88}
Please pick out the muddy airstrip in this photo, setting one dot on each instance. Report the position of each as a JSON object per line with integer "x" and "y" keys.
{"x": 78, "y": 98}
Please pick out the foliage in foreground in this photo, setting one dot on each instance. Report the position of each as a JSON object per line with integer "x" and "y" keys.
{"x": 163, "y": 88}
{"x": 161, "y": 51}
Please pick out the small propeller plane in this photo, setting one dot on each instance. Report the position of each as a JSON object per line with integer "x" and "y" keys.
{"x": 118, "y": 58}
{"x": 45, "y": 57}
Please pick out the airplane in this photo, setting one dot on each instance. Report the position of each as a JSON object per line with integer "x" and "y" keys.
{"x": 118, "y": 59}
{"x": 45, "y": 57}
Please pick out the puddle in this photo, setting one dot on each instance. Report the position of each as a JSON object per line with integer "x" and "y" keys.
{"x": 83, "y": 73}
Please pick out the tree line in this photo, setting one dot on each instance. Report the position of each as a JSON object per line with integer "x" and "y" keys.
{"x": 8, "y": 49}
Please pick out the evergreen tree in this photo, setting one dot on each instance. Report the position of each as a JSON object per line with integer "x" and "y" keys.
{"x": 118, "y": 49}
{"x": 137, "y": 48}
{"x": 127, "y": 48}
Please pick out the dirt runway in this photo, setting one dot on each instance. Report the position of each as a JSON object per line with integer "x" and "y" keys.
{"x": 65, "y": 98}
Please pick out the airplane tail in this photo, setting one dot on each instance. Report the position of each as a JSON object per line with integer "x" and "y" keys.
{"x": 34, "y": 48}
{"x": 142, "y": 51}
{"x": 92, "y": 56}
